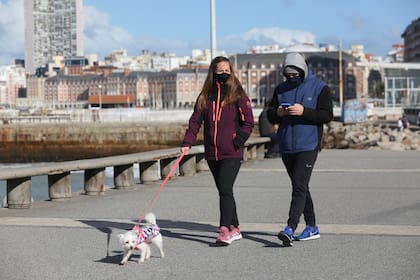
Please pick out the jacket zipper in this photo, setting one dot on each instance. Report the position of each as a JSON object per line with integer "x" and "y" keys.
{"x": 216, "y": 119}
{"x": 241, "y": 113}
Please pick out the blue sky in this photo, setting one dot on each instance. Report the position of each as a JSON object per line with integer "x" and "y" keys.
{"x": 182, "y": 25}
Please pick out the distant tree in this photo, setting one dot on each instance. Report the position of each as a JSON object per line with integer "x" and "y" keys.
{"x": 379, "y": 91}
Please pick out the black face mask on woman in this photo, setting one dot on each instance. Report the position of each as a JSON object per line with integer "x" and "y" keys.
{"x": 221, "y": 78}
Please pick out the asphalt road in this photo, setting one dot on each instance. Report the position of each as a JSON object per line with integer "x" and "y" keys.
{"x": 367, "y": 205}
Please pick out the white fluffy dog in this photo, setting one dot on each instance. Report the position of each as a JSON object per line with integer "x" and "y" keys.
{"x": 140, "y": 238}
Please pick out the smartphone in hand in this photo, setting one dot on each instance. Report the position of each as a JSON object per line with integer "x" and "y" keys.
{"x": 285, "y": 105}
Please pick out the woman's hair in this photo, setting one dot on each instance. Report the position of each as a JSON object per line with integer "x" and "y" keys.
{"x": 234, "y": 88}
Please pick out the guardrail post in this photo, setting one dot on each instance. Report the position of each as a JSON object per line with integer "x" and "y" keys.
{"x": 252, "y": 151}
{"x": 94, "y": 181}
{"x": 149, "y": 171}
{"x": 201, "y": 163}
{"x": 245, "y": 153}
{"x": 123, "y": 176}
{"x": 188, "y": 165}
{"x": 59, "y": 186}
{"x": 260, "y": 149}
{"x": 165, "y": 166}
{"x": 19, "y": 193}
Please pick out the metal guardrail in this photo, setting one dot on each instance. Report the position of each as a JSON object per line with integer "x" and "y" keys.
{"x": 153, "y": 166}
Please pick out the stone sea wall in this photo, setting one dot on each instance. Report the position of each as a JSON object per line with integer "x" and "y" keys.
{"x": 59, "y": 142}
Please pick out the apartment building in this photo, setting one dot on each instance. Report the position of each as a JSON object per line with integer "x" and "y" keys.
{"x": 411, "y": 36}
{"x": 260, "y": 73}
{"x": 147, "y": 61}
{"x": 119, "y": 88}
{"x": 52, "y": 28}
{"x": 12, "y": 84}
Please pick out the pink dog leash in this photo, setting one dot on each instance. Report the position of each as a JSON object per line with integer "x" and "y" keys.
{"x": 171, "y": 171}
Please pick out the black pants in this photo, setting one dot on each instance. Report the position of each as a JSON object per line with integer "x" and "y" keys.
{"x": 224, "y": 173}
{"x": 299, "y": 167}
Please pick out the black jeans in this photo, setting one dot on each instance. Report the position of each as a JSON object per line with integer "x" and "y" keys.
{"x": 224, "y": 173}
{"x": 299, "y": 167}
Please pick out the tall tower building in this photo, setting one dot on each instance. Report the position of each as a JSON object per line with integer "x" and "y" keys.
{"x": 411, "y": 37}
{"x": 52, "y": 28}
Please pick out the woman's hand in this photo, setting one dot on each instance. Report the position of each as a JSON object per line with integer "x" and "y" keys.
{"x": 185, "y": 150}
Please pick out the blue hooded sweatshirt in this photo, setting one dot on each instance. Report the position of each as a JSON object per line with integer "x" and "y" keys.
{"x": 300, "y": 133}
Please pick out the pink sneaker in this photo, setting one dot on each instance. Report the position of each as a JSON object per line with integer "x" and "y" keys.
{"x": 224, "y": 237}
{"x": 235, "y": 233}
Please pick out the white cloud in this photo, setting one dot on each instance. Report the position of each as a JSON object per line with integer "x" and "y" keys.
{"x": 265, "y": 36}
{"x": 11, "y": 31}
{"x": 101, "y": 37}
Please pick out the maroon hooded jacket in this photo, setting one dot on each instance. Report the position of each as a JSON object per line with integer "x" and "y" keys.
{"x": 226, "y": 126}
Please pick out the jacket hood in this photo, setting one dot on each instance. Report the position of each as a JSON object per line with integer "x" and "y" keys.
{"x": 296, "y": 60}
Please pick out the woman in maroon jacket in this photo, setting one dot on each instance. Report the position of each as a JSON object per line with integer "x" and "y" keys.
{"x": 225, "y": 110}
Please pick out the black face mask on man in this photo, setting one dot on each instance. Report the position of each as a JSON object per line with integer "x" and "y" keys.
{"x": 221, "y": 78}
{"x": 294, "y": 81}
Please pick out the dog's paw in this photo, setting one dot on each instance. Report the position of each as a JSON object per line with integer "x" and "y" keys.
{"x": 122, "y": 263}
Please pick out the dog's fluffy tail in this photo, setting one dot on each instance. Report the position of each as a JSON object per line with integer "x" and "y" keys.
{"x": 150, "y": 218}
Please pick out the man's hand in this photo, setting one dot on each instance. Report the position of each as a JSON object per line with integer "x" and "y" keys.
{"x": 293, "y": 110}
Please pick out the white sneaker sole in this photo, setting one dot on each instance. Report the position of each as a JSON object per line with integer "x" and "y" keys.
{"x": 313, "y": 237}
{"x": 236, "y": 237}
{"x": 223, "y": 243}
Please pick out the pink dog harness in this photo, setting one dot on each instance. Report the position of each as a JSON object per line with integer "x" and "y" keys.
{"x": 146, "y": 232}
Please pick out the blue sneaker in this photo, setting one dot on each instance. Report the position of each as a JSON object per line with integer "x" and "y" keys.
{"x": 286, "y": 236}
{"x": 309, "y": 233}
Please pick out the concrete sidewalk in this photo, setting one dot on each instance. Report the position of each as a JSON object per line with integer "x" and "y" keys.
{"x": 367, "y": 205}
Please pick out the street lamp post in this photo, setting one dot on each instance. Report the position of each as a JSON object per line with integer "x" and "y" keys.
{"x": 340, "y": 74}
{"x": 213, "y": 28}
{"x": 100, "y": 96}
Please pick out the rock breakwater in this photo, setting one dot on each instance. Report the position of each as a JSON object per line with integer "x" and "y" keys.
{"x": 370, "y": 135}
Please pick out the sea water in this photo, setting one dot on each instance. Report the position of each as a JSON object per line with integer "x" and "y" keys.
{"x": 40, "y": 183}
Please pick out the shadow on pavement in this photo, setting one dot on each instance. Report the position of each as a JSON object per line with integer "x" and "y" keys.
{"x": 207, "y": 239}
{"x": 251, "y": 235}
{"x": 175, "y": 229}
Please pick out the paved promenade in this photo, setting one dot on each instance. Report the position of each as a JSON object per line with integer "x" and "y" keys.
{"x": 367, "y": 205}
